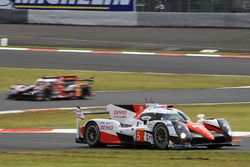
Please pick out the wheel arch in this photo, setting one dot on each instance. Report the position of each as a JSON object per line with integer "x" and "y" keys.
{"x": 160, "y": 123}
{"x": 89, "y": 122}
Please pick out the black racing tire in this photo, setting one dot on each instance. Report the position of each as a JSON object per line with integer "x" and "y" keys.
{"x": 85, "y": 92}
{"x": 92, "y": 135}
{"x": 161, "y": 136}
{"x": 46, "y": 94}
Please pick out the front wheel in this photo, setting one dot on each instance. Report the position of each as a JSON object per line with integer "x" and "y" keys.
{"x": 92, "y": 135}
{"x": 161, "y": 136}
{"x": 85, "y": 92}
{"x": 46, "y": 95}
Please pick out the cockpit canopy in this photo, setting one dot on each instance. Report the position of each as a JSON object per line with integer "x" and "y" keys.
{"x": 170, "y": 116}
{"x": 42, "y": 82}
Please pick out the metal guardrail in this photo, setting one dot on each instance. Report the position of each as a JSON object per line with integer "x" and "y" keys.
{"x": 225, "y": 6}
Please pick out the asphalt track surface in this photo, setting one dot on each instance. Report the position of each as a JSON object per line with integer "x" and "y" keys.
{"x": 43, "y": 142}
{"x": 121, "y": 38}
{"x": 116, "y": 62}
{"x": 149, "y": 38}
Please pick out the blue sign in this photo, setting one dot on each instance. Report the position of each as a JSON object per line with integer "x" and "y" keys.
{"x": 97, "y": 5}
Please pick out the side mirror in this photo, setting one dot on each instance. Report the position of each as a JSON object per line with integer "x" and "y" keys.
{"x": 200, "y": 116}
{"x": 145, "y": 119}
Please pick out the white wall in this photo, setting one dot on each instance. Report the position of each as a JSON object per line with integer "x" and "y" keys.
{"x": 82, "y": 17}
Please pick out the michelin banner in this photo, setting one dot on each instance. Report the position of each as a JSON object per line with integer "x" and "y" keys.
{"x": 97, "y": 5}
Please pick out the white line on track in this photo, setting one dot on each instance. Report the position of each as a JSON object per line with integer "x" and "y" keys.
{"x": 14, "y": 49}
{"x": 139, "y": 53}
{"x": 202, "y": 55}
{"x": 240, "y": 87}
{"x": 75, "y": 51}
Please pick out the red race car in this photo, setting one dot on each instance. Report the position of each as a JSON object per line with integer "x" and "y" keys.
{"x": 53, "y": 87}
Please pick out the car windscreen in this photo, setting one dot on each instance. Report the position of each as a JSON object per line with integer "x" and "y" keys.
{"x": 165, "y": 116}
{"x": 40, "y": 83}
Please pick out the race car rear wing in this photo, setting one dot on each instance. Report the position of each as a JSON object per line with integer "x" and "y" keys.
{"x": 90, "y": 80}
{"x": 69, "y": 78}
{"x": 80, "y": 116}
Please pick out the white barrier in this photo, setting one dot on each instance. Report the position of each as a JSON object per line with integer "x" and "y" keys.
{"x": 4, "y": 42}
{"x": 83, "y": 17}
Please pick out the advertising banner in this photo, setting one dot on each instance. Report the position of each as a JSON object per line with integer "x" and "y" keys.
{"x": 96, "y": 5}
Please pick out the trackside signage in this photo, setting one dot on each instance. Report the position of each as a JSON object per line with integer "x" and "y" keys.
{"x": 99, "y": 5}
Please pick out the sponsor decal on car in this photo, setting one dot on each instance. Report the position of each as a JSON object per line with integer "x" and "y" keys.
{"x": 106, "y": 128}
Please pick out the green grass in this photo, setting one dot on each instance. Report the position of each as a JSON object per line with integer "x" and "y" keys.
{"x": 237, "y": 114}
{"x": 124, "y": 158}
{"x": 126, "y": 81}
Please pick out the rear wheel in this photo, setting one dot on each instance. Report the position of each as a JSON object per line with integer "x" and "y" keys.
{"x": 92, "y": 135}
{"x": 161, "y": 136}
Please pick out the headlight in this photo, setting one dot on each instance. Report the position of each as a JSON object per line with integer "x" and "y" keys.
{"x": 183, "y": 135}
{"x": 182, "y": 130}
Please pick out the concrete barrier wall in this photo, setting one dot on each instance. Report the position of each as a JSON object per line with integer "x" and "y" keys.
{"x": 13, "y": 16}
{"x": 228, "y": 20}
{"x": 83, "y": 17}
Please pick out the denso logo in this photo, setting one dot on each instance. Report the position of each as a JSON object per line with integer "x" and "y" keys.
{"x": 120, "y": 112}
{"x": 74, "y": 2}
{"x": 106, "y": 128}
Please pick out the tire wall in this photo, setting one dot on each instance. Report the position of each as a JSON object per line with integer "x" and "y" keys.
{"x": 154, "y": 19}
{"x": 13, "y": 16}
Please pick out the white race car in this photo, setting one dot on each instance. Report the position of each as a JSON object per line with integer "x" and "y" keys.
{"x": 152, "y": 124}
